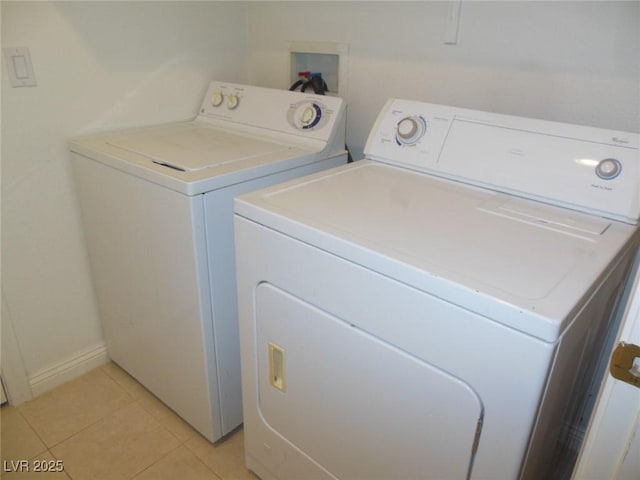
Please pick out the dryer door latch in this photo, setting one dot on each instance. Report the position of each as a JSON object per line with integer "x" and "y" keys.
{"x": 625, "y": 363}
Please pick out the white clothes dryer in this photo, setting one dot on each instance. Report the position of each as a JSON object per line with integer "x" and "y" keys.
{"x": 437, "y": 310}
{"x": 157, "y": 209}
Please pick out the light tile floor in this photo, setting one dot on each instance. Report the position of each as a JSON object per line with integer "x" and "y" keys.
{"x": 106, "y": 426}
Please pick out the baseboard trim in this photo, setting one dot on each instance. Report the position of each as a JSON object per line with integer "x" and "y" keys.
{"x": 68, "y": 369}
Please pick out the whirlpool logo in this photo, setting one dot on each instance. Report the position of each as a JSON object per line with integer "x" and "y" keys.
{"x": 621, "y": 141}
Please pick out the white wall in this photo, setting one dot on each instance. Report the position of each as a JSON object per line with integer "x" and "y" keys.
{"x": 98, "y": 65}
{"x": 575, "y": 62}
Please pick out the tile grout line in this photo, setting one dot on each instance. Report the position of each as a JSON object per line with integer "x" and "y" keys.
{"x": 64, "y": 470}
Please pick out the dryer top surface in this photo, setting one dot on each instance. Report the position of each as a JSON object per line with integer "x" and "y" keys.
{"x": 424, "y": 230}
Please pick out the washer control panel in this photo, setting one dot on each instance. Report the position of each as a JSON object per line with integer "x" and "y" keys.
{"x": 307, "y": 115}
{"x": 585, "y": 168}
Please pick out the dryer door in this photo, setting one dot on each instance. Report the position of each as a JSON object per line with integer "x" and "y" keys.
{"x": 354, "y": 405}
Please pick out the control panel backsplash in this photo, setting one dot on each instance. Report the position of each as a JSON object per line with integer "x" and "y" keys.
{"x": 307, "y": 115}
{"x": 584, "y": 168}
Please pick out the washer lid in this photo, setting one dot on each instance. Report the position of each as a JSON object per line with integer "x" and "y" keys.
{"x": 194, "y": 148}
{"x": 508, "y": 258}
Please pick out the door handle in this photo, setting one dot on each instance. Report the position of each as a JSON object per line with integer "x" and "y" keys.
{"x": 276, "y": 367}
{"x": 622, "y": 366}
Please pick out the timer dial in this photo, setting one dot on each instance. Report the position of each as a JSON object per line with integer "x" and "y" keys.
{"x": 307, "y": 115}
{"x": 410, "y": 129}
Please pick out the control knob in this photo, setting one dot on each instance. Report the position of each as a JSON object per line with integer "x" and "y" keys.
{"x": 410, "y": 129}
{"x": 216, "y": 99}
{"x": 308, "y": 115}
{"x": 608, "y": 168}
{"x": 232, "y": 101}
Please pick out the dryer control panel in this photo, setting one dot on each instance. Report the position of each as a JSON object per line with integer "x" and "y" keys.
{"x": 308, "y": 115}
{"x": 584, "y": 168}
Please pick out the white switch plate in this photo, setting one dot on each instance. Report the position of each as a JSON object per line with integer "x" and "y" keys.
{"x": 18, "y": 61}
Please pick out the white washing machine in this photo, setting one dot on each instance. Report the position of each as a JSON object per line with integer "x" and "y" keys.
{"x": 157, "y": 210}
{"x": 435, "y": 311}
